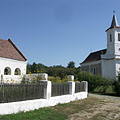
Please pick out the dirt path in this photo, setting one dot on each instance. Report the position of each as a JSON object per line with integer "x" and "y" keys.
{"x": 99, "y": 108}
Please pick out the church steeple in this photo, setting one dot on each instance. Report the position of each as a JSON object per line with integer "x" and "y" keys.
{"x": 114, "y": 21}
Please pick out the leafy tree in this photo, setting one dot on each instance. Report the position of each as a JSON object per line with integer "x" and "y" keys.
{"x": 71, "y": 64}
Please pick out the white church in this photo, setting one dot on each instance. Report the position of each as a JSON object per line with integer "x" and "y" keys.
{"x": 12, "y": 62}
{"x": 106, "y": 62}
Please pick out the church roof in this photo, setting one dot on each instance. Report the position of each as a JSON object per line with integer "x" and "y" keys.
{"x": 94, "y": 56}
{"x": 9, "y": 50}
{"x": 114, "y": 23}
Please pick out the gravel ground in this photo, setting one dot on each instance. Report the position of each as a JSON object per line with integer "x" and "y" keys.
{"x": 104, "y": 108}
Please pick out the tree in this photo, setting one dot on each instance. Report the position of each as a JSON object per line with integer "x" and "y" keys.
{"x": 71, "y": 64}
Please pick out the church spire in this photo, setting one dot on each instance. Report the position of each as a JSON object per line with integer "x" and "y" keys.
{"x": 114, "y": 21}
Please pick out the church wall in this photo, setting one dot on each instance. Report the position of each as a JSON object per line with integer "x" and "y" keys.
{"x": 117, "y": 67}
{"x": 109, "y": 69}
{"x": 89, "y": 67}
{"x": 12, "y": 64}
{"x": 97, "y": 67}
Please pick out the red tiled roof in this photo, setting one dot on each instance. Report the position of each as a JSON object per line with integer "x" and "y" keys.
{"x": 94, "y": 56}
{"x": 9, "y": 50}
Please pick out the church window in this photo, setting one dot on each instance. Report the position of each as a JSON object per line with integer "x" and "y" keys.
{"x": 110, "y": 37}
{"x": 94, "y": 70}
{"x": 118, "y": 36}
{"x": 7, "y": 71}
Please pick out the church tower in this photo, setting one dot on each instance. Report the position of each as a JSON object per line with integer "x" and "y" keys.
{"x": 113, "y": 39}
{"x": 111, "y": 59}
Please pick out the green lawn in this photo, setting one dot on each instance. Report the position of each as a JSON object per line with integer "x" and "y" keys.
{"x": 41, "y": 114}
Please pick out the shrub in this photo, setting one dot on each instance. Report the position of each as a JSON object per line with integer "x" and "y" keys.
{"x": 94, "y": 81}
{"x": 117, "y": 85}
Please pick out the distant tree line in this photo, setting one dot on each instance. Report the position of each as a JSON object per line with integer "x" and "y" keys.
{"x": 56, "y": 71}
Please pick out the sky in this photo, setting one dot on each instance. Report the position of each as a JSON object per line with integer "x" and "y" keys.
{"x": 55, "y": 32}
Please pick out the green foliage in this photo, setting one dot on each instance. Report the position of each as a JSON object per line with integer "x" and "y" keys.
{"x": 41, "y": 114}
{"x": 36, "y": 68}
{"x": 57, "y": 79}
{"x": 71, "y": 64}
{"x": 56, "y": 71}
{"x": 117, "y": 85}
{"x": 95, "y": 81}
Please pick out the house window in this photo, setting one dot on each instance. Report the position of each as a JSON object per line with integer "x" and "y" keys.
{"x": 118, "y": 36}
{"x": 17, "y": 71}
{"x": 94, "y": 70}
{"x": 7, "y": 71}
{"x": 110, "y": 37}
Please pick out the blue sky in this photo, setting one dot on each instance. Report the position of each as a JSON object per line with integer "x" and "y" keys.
{"x": 54, "y": 32}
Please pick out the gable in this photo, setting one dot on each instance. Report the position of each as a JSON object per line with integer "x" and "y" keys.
{"x": 9, "y": 50}
{"x": 94, "y": 56}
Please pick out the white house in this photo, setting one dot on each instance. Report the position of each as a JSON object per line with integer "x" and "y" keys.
{"x": 12, "y": 62}
{"x": 106, "y": 62}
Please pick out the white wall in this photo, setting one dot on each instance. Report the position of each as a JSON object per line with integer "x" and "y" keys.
{"x": 13, "y": 64}
{"x": 15, "y": 107}
{"x": 117, "y": 67}
{"x": 114, "y": 45}
{"x": 109, "y": 69}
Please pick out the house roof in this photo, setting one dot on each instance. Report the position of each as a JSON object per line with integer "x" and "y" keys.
{"x": 94, "y": 56}
{"x": 9, "y": 50}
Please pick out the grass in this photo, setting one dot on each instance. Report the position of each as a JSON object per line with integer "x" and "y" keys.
{"x": 105, "y": 91}
{"x": 91, "y": 108}
{"x": 41, "y": 114}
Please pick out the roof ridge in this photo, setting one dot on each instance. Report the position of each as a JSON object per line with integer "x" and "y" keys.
{"x": 12, "y": 43}
{"x": 94, "y": 56}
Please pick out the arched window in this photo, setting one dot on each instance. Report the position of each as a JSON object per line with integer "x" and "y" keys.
{"x": 17, "y": 71}
{"x": 7, "y": 71}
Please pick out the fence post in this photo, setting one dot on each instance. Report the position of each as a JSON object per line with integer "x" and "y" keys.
{"x": 71, "y": 84}
{"x": 47, "y": 89}
{"x": 85, "y": 85}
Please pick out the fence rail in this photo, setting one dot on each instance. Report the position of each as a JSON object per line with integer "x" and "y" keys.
{"x": 60, "y": 89}
{"x": 79, "y": 87}
{"x": 21, "y": 92}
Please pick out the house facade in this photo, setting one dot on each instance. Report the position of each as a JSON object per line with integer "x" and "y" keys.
{"x": 106, "y": 62}
{"x": 12, "y": 62}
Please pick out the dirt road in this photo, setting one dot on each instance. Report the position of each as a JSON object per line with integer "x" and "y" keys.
{"x": 98, "y": 107}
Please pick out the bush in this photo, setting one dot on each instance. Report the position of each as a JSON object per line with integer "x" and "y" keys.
{"x": 117, "y": 86}
{"x": 94, "y": 81}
